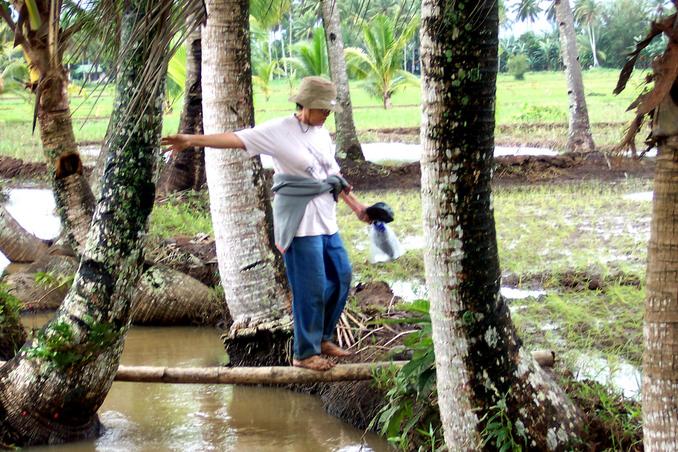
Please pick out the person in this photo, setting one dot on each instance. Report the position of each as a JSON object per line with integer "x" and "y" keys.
{"x": 307, "y": 183}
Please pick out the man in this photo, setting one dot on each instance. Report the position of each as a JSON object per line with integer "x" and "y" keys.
{"x": 307, "y": 183}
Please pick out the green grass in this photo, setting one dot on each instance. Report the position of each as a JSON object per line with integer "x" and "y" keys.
{"x": 543, "y": 234}
{"x": 539, "y": 100}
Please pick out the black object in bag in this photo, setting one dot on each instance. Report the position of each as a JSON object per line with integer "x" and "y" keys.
{"x": 380, "y": 211}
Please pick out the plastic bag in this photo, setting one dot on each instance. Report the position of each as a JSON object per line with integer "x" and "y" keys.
{"x": 384, "y": 245}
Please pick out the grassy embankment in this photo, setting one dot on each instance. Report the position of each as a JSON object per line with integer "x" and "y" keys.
{"x": 532, "y": 111}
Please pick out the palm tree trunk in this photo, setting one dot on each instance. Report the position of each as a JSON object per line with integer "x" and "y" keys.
{"x": 50, "y": 392}
{"x": 479, "y": 359}
{"x": 594, "y": 50}
{"x": 660, "y": 377}
{"x": 16, "y": 243}
{"x": 579, "y": 138}
{"x": 187, "y": 169}
{"x": 346, "y": 138}
{"x": 251, "y": 269}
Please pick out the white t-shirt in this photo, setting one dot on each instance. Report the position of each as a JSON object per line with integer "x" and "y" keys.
{"x": 299, "y": 150}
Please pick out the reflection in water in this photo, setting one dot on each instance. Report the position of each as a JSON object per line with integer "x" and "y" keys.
{"x": 34, "y": 210}
{"x": 172, "y": 417}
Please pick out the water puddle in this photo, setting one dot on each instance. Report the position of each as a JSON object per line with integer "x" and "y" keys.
{"x": 408, "y": 153}
{"x": 622, "y": 376}
{"x": 33, "y": 209}
{"x": 409, "y": 290}
{"x": 164, "y": 417}
{"x": 412, "y": 290}
{"x": 644, "y": 196}
{"x": 521, "y": 294}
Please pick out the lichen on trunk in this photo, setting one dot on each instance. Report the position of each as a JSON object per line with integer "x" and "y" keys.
{"x": 479, "y": 361}
{"x": 50, "y": 392}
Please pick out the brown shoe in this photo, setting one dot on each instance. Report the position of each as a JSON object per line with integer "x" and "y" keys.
{"x": 331, "y": 349}
{"x": 314, "y": 362}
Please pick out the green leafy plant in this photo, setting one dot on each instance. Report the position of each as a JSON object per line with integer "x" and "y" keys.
{"x": 410, "y": 413}
{"x": 52, "y": 280}
{"x": 501, "y": 432}
{"x": 518, "y": 65}
{"x": 541, "y": 113}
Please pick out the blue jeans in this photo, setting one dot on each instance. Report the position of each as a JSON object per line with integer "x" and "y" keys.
{"x": 319, "y": 273}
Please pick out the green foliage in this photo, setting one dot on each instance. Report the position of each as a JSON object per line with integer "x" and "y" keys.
{"x": 311, "y": 56}
{"x": 501, "y": 432}
{"x": 176, "y": 77}
{"x": 518, "y": 65}
{"x": 538, "y": 113}
{"x": 264, "y": 72}
{"x": 410, "y": 415}
{"x": 10, "y": 308}
{"x": 607, "y": 411}
{"x": 52, "y": 280}
{"x": 57, "y": 343}
{"x": 379, "y": 64}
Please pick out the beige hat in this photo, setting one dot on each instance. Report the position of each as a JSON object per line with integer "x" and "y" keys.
{"x": 317, "y": 92}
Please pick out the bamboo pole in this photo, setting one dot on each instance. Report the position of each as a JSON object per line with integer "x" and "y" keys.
{"x": 250, "y": 375}
{"x": 268, "y": 375}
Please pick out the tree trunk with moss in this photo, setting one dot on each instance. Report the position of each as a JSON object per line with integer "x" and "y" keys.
{"x": 481, "y": 368}
{"x": 660, "y": 374}
{"x": 579, "y": 138}
{"x": 50, "y": 392}
{"x": 251, "y": 269}
{"x": 346, "y": 137}
{"x": 186, "y": 170}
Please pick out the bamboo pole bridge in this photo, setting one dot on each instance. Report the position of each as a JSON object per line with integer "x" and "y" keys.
{"x": 269, "y": 375}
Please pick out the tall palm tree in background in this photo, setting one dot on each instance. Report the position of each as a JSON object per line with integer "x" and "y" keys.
{"x": 251, "y": 270}
{"x": 380, "y": 64}
{"x": 50, "y": 392}
{"x": 346, "y": 137}
{"x": 579, "y": 138}
{"x": 481, "y": 367}
{"x": 587, "y": 13}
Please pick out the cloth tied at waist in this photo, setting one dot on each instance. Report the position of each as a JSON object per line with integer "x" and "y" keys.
{"x": 292, "y": 194}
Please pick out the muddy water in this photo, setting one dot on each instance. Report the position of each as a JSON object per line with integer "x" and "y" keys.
{"x": 170, "y": 417}
{"x": 163, "y": 417}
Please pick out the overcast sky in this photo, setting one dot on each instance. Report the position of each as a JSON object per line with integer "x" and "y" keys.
{"x": 515, "y": 28}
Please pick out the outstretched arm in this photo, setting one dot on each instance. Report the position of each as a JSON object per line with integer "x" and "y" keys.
{"x": 181, "y": 141}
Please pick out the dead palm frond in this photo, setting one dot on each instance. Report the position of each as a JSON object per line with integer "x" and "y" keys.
{"x": 664, "y": 77}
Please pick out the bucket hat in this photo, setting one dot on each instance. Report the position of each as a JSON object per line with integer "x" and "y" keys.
{"x": 317, "y": 92}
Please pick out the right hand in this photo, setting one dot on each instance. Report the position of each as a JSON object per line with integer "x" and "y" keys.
{"x": 176, "y": 143}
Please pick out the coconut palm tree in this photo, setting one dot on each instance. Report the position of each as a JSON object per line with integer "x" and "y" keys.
{"x": 311, "y": 56}
{"x": 50, "y": 392}
{"x": 587, "y": 13}
{"x": 579, "y": 136}
{"x": 252, "y": 272}
{"x": 660, "y": 377}
{"x": 481, "y": 367}
{"x": 379, "y": 64}
{"x": 346, "y": 137}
